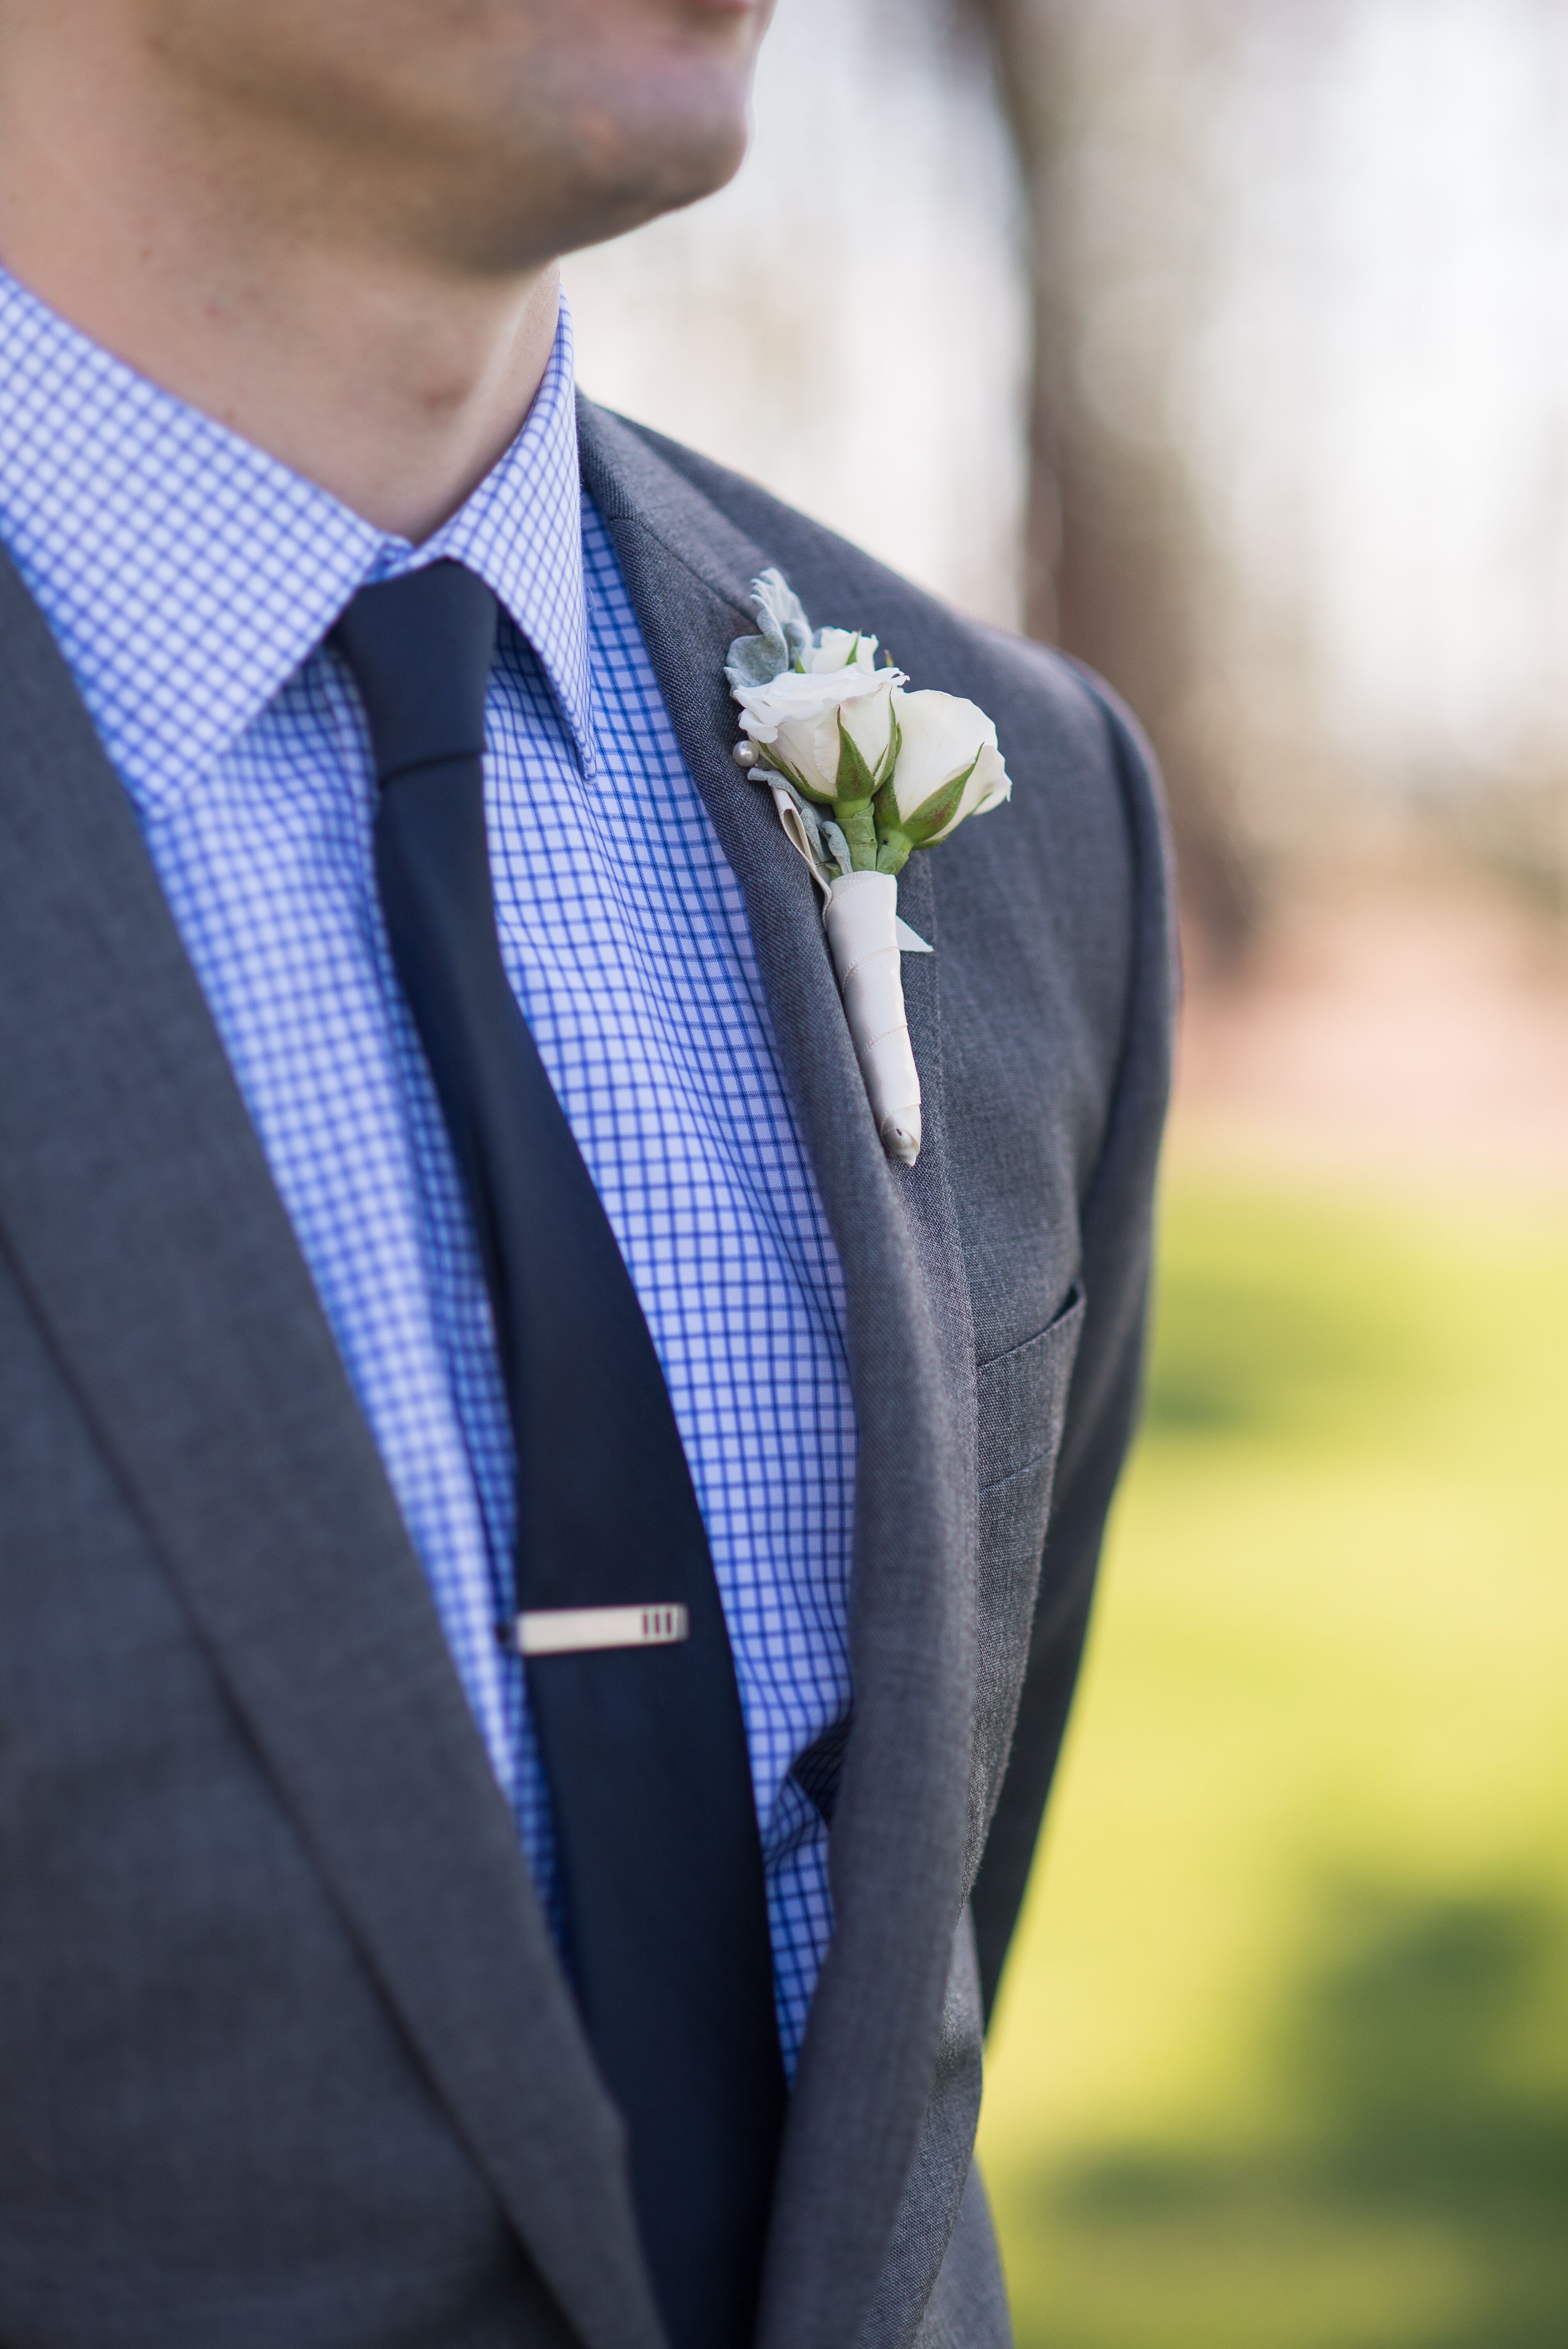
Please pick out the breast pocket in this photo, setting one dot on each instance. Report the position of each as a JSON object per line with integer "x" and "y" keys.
{"x": 1022, "y": 1401}
{"x": 1022, "y": 1398}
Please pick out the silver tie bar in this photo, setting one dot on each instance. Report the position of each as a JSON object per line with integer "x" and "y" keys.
{"x": 571, "y": 1631}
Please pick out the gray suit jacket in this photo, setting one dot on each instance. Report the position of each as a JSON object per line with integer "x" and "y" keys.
{"x": 286, "y": 2061}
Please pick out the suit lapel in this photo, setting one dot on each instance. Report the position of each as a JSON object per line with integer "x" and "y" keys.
{"x": 138, "y": 1209}
{"x": 898, "y": 1829}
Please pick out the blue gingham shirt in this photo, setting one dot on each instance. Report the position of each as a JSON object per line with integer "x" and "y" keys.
{"x": 189, "y": 581}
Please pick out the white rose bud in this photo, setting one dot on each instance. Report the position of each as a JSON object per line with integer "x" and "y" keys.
{"x": 795, "y": 720}
{"x": 838, "y": 648}
{"x": 949, "y": 767}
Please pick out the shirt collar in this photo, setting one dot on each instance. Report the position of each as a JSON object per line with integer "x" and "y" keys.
{"x": 186, "y": 575}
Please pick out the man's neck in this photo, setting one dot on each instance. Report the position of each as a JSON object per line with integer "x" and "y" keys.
{"x": 392, "y": 383}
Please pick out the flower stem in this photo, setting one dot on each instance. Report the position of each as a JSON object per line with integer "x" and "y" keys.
{"x": 859, "y": 827}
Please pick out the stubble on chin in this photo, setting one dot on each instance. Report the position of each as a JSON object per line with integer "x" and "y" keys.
{"x": 492, "y": 134}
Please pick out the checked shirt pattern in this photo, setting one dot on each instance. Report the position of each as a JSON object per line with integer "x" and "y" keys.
{"x": 190, "y": 580}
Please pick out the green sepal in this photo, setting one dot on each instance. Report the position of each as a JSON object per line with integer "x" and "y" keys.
{"x": 889, "y": 760}
{"x": 769, "y": 757}
{"x": 855, "y": 781}
{"x": 923, "y": 822}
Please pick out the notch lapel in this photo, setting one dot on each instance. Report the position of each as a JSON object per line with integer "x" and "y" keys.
{"x": 897, "y": 1842}
{"x": 137, "y": 1206}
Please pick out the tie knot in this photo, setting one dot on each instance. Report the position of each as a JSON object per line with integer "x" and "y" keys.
{"x": 419, "y": 651}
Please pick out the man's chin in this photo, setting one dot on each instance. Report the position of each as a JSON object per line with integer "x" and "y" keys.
{"x": 605, "y": 187}
{"x": 647, "y": 194}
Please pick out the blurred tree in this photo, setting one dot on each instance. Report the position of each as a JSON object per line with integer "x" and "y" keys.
{"x": 1106, "y": 100}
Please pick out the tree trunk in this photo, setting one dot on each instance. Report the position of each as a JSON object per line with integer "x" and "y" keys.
{"x": 1104, "y": 100}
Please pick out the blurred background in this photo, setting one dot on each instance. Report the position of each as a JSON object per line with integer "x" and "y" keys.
{"x": 1227, "y": 343}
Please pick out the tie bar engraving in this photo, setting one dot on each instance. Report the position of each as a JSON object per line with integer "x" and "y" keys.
{"x": 572, "y": 1630}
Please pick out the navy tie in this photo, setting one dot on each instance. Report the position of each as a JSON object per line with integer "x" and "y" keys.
{"x": 643, "y": 1744}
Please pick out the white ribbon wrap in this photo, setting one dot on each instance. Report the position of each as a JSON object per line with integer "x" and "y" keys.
{"x": 862, "y": 922}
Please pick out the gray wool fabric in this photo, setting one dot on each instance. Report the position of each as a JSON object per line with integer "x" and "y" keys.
{"x": 286, "y": 2058}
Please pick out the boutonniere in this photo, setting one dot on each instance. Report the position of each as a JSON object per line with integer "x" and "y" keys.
{"x": 861, "y": 774}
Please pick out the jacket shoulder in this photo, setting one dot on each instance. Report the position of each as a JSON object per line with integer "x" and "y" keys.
{"x": 1060, "y": 726}
{"x": 841, "y": 585}
{"x": 1064, "y": 907}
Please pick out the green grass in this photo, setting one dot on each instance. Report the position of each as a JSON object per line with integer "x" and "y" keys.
{"x": 1282, "y": 2061}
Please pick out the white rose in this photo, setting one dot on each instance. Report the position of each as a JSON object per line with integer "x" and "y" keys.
{"x": 796, "y": 720}
{"x": 840, "y": 649}
{"x": 943, "y": 738}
